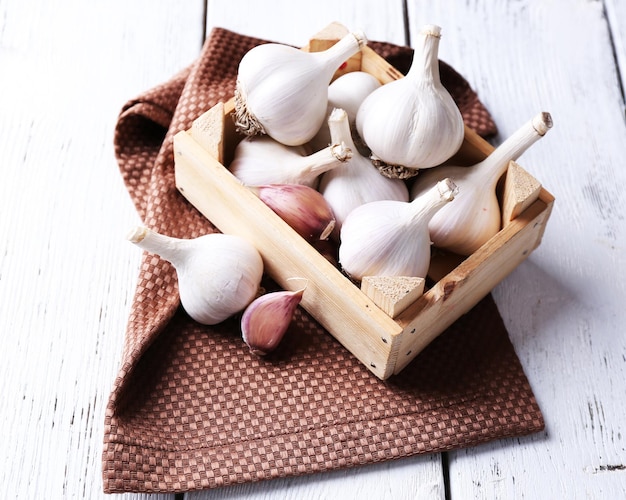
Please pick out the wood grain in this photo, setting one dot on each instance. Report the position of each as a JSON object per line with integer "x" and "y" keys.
{"x": 563, "y": 307}
{"x": 66, "y": 275}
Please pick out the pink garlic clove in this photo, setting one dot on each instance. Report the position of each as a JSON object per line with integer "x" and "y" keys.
{"x": 300, "y": 206}
{"x": 267, "y": 318}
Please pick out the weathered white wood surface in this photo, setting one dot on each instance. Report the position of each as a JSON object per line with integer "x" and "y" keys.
{"x": 67, "y": 277}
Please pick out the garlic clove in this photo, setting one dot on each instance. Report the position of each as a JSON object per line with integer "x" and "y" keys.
{"x": 302, "y": 207}
{"x": 266, "y": 320}
{"x": 218, "y": 274}
{"x": 391, "y": 238}
{"x": 283, "y": 92}
{"x": 263, "y": 160}
{"x": 475, "y": 216}
{"x": 413, "y": 122}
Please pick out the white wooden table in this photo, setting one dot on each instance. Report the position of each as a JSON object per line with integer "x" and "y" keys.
{"x": 67, "y": 275}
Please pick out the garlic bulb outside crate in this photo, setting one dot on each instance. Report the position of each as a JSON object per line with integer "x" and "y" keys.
{"x": 391, "y": 238}
{"x": 356, "y": 181}
{"x": 413, "y": 122}
{"x": 263, "y": 160}
{"x": 218, "y": 274}
{"x": 465, "y": 225}
{"x": 283, "y": 92}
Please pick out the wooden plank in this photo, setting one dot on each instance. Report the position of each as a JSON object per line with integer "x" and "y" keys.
{"x": 67, "y": 275}
{"x": 563, "y": 307}
{"x": 294, "y": 22}
{"x": 616, "y": 16}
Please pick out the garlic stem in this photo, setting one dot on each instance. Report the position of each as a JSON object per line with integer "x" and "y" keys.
{"x": 514, "y": 146}
{"x": 263, "y": 160}
{"x": 425, "y": 65}
{"x": 321, "y": 161}
{"x": 167, "y": 247}
{"x": 337, "y": 54}
{"x": 339, "y": 127}
{"x": 426, "y": 206}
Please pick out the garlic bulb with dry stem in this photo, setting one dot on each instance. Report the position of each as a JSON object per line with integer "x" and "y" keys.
{"x": 356, "y": 181}
{"x": 266, "y": 320}
{"x": 413, "y": 122}
{"x": 302, "y": 207}
{"x": 282, "y": 91}
{"x": 474, "y": 217}
{"x": 218, "y": 274}
{"x": 263, "y": 160}
{"x": 391, "y": 238}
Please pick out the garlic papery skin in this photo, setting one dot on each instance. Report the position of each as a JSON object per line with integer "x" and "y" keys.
{"x": 266, "y": 320}
{"x": 356, "y": 181}
{"x": 218, "y": 274}
{"x": 391, "y": 238}
{"x": 302, "y": 207}
{"x": 263, "y": 160}
{"x": 413, "y": 122}
{"x": 283, "y": 92}
{"x": 347, "y": 92}
{"x": 475, "y": 216}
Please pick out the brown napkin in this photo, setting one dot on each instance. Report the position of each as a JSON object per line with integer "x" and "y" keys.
{"x": 192, "y": 409}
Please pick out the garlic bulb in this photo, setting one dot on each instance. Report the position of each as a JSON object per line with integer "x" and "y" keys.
{"x": 218, "y": 274}
{"x": 266, "y": 320}
{"x": 347, "y": 92}
{"x": 302, "y": 207}
{"x": 465, "y": 225}
{"x": 262, "y": 160}
{"x": 282, "y": 91}
{"x": 413, "y": 122}
{"x": 355, "y": 181}
{"x": 390, "y": 238}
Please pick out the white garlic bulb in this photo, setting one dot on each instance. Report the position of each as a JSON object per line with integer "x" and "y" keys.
{"x": 465, "y": 225}
{"x": 413, "y": 122}
{"x": 391, "y": 238}
{"x": 218, "y": 274}
{"x": 282, "y": 91}
{"x": 347, "y": 92}
{"x": 263, "y": 160}
{"x": 357, "y": 180}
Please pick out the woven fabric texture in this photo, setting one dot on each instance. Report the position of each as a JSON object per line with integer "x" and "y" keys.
{"x": 192, "y": 409}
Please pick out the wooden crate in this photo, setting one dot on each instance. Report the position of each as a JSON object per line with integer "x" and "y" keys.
{"x": 382, "y": 343}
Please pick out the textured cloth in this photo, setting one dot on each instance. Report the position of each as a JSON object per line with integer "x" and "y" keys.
{"x": 191, "y": 408}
